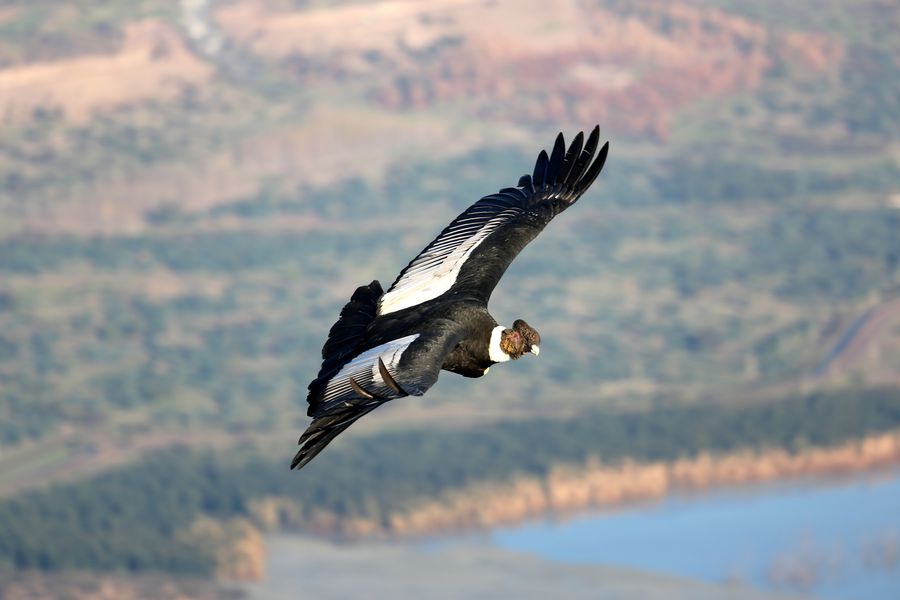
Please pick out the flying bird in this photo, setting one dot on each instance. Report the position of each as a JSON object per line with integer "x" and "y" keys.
{"x": 387, "y": 345}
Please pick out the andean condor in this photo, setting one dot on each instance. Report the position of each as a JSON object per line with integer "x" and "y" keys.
{"x": 388, "y": 345}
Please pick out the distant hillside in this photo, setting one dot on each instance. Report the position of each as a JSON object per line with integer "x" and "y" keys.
{"x": 190, "y": 191}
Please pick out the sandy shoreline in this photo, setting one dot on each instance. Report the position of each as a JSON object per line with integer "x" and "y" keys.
{"x": 571, "y": 489}
{"x": 304, "y": 567}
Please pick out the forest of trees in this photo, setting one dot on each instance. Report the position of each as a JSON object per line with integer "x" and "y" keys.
{"x": 130, "y": 518}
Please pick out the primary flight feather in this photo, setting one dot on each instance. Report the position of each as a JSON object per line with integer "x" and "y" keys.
{"x": 387, "y": 345}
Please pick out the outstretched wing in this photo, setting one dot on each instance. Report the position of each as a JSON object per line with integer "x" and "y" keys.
{"x": 405, "y": 366}
{"x": 470, "y": 256}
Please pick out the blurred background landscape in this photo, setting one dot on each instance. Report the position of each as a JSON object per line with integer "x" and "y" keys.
{"x": 191, "y": 190}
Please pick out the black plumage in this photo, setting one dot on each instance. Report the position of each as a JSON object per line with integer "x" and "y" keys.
{"x": 387, "y": 345}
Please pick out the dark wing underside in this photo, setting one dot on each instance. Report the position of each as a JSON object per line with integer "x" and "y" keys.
{"x": 405, "y": 366}
{"x": 470, "y": 256}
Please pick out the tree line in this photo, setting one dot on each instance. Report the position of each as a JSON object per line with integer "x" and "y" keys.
{"x": 130, "y": 518}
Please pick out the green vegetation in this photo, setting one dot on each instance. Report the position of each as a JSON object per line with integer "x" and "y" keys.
{"x": 859, "y": 21}
{"x": 46, "y": 159}
{"x": 43, "y": 30}
{"x": 739, "y": 243}
{"x": 166, "y": 270}
{"x": 130, "y": 518}
{"x": 256, "y": 340}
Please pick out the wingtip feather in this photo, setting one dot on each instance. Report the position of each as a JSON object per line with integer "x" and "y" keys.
{"x": 307, "y": 453}
{"x": 324, "y": 429}
{"x": 540, "y": 169}
{"x": 594, "y": 169}
{"x": 573, "y": 169}
{"x": 584, "y": 159}
{"x": 525, "y": 182}
{"x": 572, "y": 155}
{"x": 557, "y": 157}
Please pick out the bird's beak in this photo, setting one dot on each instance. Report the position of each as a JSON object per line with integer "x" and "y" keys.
{"x": 535, "y": 350}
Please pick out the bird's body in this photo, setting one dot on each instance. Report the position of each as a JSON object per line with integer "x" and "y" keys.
{"x": 388, "y": 345}
{"x": 468, "y": 320}
{"x": 471, "y": 357}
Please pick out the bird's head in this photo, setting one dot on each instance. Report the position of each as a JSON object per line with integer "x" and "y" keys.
{"x": 530, "y": 334}
{"x": 518, "y": 340}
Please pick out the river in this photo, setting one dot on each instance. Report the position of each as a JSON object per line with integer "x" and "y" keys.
{"x": 835, "y": 539}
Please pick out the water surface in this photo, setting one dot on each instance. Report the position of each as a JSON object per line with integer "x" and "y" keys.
{"x": 837, "y": 539}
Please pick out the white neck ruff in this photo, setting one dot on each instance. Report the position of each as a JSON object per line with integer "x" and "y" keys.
{"x": 494, "y": 351}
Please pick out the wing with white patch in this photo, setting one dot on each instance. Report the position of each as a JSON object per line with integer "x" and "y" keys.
{"x": 370, "y": 371}
{"x": 405, "y": 366}
{"x": 473, "y": 252}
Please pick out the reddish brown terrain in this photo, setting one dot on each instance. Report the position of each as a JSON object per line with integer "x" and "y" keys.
{"x": 153, "y": 63}
{"x": 582, "y": 63}
{"x": 587, "y": 62}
